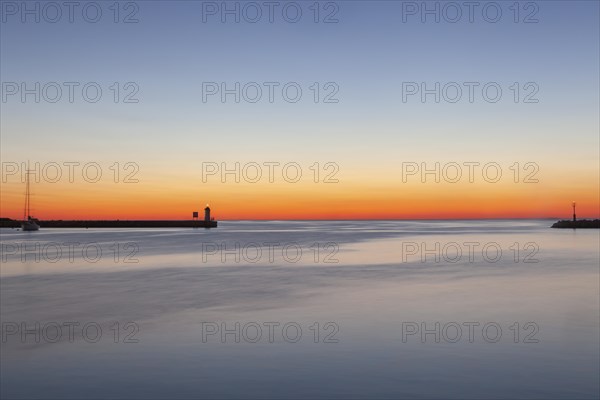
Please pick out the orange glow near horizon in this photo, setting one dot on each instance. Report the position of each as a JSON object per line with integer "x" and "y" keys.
{"x": 176, "y": 201}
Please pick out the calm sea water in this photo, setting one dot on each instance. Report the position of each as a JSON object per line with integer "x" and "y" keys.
{"x": 383, "y": 309}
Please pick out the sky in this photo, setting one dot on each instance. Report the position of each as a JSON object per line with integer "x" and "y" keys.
{"x": 162, "y": 135}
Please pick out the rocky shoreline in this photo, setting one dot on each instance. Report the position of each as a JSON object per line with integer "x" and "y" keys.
{"x": 581, "y": 224}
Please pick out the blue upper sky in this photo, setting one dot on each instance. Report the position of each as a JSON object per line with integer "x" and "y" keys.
{"x": 368, "y": 54}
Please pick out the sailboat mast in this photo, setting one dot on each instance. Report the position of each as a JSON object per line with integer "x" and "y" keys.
{"x": 26, "y": 212}
{"x": 28, "y": 195}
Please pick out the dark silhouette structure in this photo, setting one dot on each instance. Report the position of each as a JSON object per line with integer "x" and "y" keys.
{"x": 574, "y": 224}
{"x": 10, "y": 223}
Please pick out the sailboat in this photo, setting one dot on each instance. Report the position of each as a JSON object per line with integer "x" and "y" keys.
{"x": 29, "y": 223}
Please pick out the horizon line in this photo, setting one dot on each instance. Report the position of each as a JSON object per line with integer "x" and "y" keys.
{"x": 323, "y": 219}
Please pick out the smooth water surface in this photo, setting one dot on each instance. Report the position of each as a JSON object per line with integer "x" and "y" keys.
{"x": 322, "y": 309}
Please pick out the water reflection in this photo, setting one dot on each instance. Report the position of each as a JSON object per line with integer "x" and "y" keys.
{"x": 368, "y": 294}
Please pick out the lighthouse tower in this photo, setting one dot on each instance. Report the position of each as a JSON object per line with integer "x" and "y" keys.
{"x": 207, "y": 213}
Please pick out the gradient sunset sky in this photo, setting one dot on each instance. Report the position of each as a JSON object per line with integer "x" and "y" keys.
{"x": 369, "y": 133}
